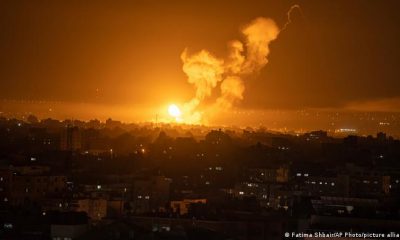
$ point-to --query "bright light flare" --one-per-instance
(174, 111)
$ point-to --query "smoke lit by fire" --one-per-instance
(207, 72)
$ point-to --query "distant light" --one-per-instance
(98, 187)
(8, 225)
(285, 207)
(349, 208)
(346, 130)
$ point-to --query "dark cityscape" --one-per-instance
(92, 180)
(193, 120)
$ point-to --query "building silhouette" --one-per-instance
(71, 139)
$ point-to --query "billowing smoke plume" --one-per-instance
(206, 72)
(235, 58)
(232, 89)
(259, 33)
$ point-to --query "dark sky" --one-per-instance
(128, 52)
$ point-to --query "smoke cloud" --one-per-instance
(259, 33)
(232, 89)
(206, 71)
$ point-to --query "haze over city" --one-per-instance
(221, 63)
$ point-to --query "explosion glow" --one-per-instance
(174, 111)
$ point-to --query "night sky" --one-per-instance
(335, 54)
